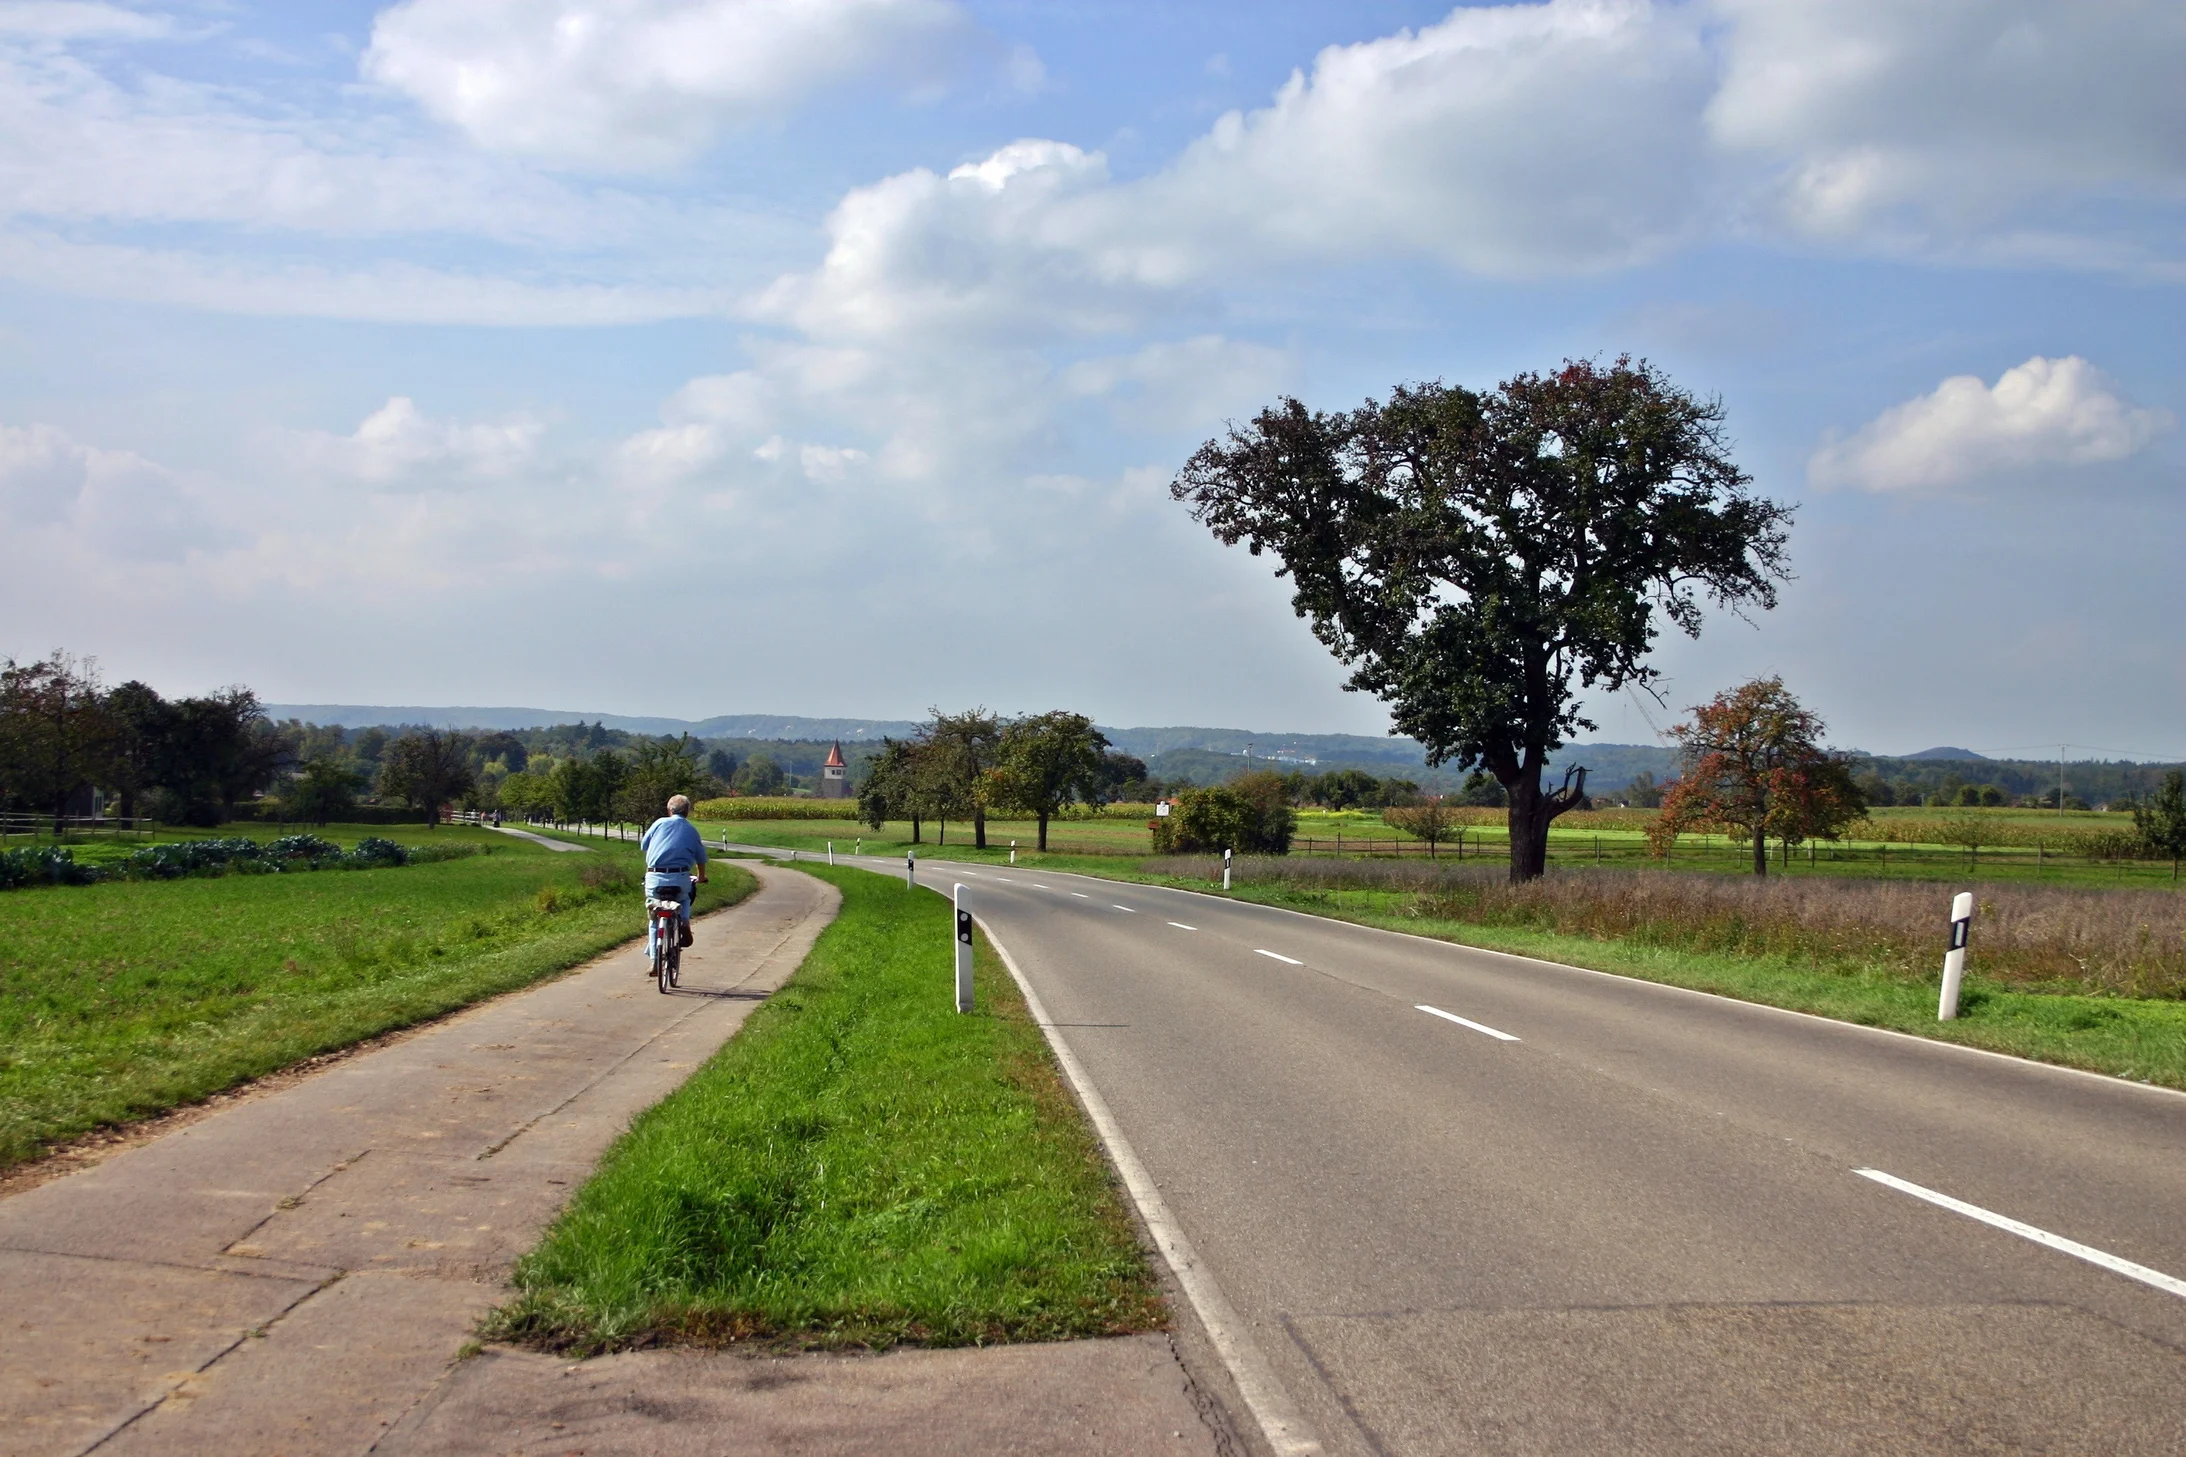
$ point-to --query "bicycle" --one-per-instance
(664, 913)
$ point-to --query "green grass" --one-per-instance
(2141, 1039)
(860, 1166)
(122, 1000)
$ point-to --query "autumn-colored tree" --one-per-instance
(1754, 762)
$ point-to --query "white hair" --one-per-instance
(679, 804)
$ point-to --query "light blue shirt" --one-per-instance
(673, 843)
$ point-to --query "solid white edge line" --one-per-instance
(1182, 927)
(2170, 1284)
(1464, 1022)
(1277, 955)
(1271, 1406)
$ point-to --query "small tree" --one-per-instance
(2161, 819)
(1046, 761)
(427, 768)
(659, 769)
(1754, 762)
(1433, 820)
(326, 790)
(960, 755)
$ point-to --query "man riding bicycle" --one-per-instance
(675, 857)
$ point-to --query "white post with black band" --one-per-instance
(1954, 959)
(1225, 870)
(910, 867)
(963, 952)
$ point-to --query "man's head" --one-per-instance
(680, 805)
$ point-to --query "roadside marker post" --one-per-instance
(963, 952)
(1954, 958)
(830, 852)
(1225, 870)
(1013, 852)
(910, 868)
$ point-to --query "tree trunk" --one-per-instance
(1530, 813)
(1043, 832)
(1760, 852)
(979, 827)
(914, 829)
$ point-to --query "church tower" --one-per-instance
(835, 775)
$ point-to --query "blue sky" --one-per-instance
(833, 357)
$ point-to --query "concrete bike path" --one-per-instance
(296, 1272)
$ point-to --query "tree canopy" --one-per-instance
(1754, 762)
(1047, 760)
(1481, 558)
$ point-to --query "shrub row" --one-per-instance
(43, 865)
(775, 807)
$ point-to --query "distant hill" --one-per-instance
(725, 726)
(1946, 752)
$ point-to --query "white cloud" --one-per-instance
(1948, 116)
(2043, 414)
(71, 20)
(52, 484)
(399, 448)
(646, 83)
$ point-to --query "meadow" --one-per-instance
(126, 998)
(859, 1166)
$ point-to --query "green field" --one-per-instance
(859, 1166)
(124, 999)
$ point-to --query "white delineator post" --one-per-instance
(963, 952)
(1013, 852)
(1225, 870)
(910, 867)
(1954, 959)
(831, 852)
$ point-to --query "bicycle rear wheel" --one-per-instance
(663, 949)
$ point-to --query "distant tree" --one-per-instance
(505, 747)
(659, 768)
(57, 732)
(1482, 558)
(1346, 788)
(962, 756)
(721, 764)
(1394, 792)
(1123, 776)
(1876, 790)
(1045, 761)
(2161, 819)
(369, 745)
(428, 768)
(1432, 820)
(889, 790)
(1643, 792)
(141, 721)
(325, 790)
(1481, 792)
(526, 793)
(759, 775)
(1754, 761)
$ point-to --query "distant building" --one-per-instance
(835, 775)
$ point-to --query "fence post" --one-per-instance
(963, 952)
(1225, 870)
(1954, 957)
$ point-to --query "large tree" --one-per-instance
(2161, 819)
(1754, 762)
(57, 733)
(1047, 760)
(960, 753)
(1481, 558)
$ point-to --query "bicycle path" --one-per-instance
(300, 1273)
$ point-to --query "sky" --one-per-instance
(833, 357)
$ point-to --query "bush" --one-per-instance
(1225, 818)
(372, 851)
(42, 865)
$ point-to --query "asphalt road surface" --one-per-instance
(1466, 1202)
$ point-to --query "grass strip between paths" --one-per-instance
(860, 1166)
(121, 1001)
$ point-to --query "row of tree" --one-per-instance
(963, 765)
(64, 735)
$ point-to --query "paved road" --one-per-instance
(1597, 1215)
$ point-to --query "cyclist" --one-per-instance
(675, 855)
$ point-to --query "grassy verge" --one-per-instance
(2138, 1038)
(860, 1166)
(122, 1000)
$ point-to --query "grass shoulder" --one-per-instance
(122, 1000)
(861, 1166)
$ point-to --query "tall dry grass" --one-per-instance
(2122, 943)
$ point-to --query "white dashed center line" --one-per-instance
(2170, 1284)
(1278, 956)
(1114, 907)
(1037, 886)
(1182, 927)
(1466, 1022)
(1081, 895)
